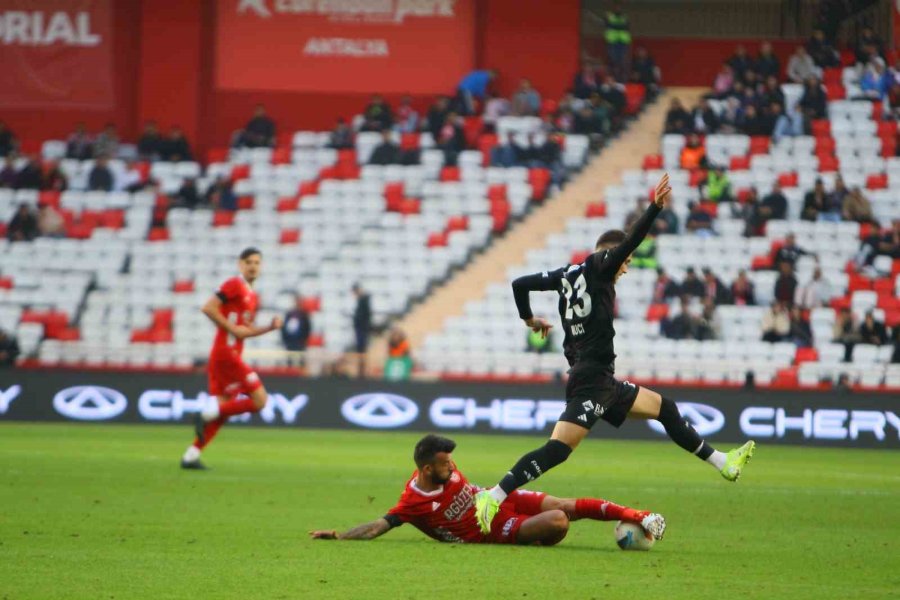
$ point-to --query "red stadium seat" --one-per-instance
(634, 97)
(289, 236)
(828, 164)
(460, 223)
(437, 240)
(832, 76)
(245, 203)
(497, 192)
(698, 176)
(762, 263)
(346, 156)
(887, 128)
(657, 312)
(740, 163)
(549, 106)
(217, 155)
(281, 156)
(158, 234)
(50, 198)
(312, 304)
(596, 209)
(806, 355)
(472, 127)
(330, 173)
(450, 174)
(183, 286)
(835, 91)
(821, 127)
(79, 231)
(239, 172)
(6, 282)
(223, 218)
(309, 188)
(759, 144)
(824, 145)
(288, 204)
(877, 182)
(540, 180)
(316, 340)
(579, 257)
(787, 180)
(112, 219)
(653, 161)
(410, 206)
(501, 221)
(486, 143)
(409, 141)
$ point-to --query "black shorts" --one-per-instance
(593, 393)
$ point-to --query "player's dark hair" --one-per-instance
(610, 239)
(248, 252)
(429, 446)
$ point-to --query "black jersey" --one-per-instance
(587, 297)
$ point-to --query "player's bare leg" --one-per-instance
(651, 405)
(547, 528)
(599, 509)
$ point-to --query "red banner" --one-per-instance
(344, 46)
(56, 54)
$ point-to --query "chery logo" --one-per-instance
(380, 410)
(706, 419)
(89, 403)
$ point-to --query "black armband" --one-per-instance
(393, 520)
(221, 296)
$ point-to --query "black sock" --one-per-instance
(682, 432)
(534, 464)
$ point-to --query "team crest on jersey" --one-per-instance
(454, 477)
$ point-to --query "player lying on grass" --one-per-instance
(235, 385)
(587, 297)
(438, 501)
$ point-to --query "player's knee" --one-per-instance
(259, 397)
(557, 527)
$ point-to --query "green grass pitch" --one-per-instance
(103, 512)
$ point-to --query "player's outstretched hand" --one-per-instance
(276, 323)
(539, 324)
(663, 190)
(323, 534)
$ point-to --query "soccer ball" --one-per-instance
(631, 536)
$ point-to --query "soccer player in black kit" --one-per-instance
(586, 301)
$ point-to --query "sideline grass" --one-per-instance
(100, 512)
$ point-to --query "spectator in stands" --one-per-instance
(815, 293)
(259, 132)
(101, 177)
(160, 213)
(876, 81)
(399, 363)
(714, 289)
(868, 45)
(80, 145)
(790, 252)
(30, 176)
(692, 286)
(895, 337)
(618, 41)
(786, 284)
(296, 327)
(776, 323)
(664, 288)
(50, 222)
(821, 50)
(879, 244)
(846, 332)
(813, 102)
(787, 124)
(362, 324)
(723, 84)
(872, 331)
(752, 123)
(23, 227)
(644, 256)
(685, 326)
(8, 141)
(9, 349)
(54, 179)
(717, 187)
(699, 221)
(9, 173)
(526, 101)
(378, 115)
(494, 108)
(815, 202)
(801, 332)
(767, 64)
(677, 119)
(667, 221)
(742, 291)
(613, 94)
(836, 200)
(731, 117)
(740, 62)
(188, 196)
(704, 118)
(474, 86)
(133, 179)
(150, 144)
(176, 148)
(749, 211)
(858, 208)
(537, 342)
(693, 155)
(645, 71)
(451, 139)
(710, 326)
(220, 195)
(771, 92)
(407, 118)
(802, 67)
(341, 136)
(545, 152)
(387, 152)
(586, 82)
(437, 116)
(774, 205)
(640, 205)
(593, 119)
(107, 142)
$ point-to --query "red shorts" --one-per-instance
(514, 511)
(229, 376)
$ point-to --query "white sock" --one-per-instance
(192, 454)
(717, 459)
(498, 494)
(210, 412)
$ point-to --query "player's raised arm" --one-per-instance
(366, 531)
(640, 229)
(536, 282)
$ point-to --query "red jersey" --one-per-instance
(447, 514)
(239, 304)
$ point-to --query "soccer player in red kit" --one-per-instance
(439, 502)
(235, 385)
